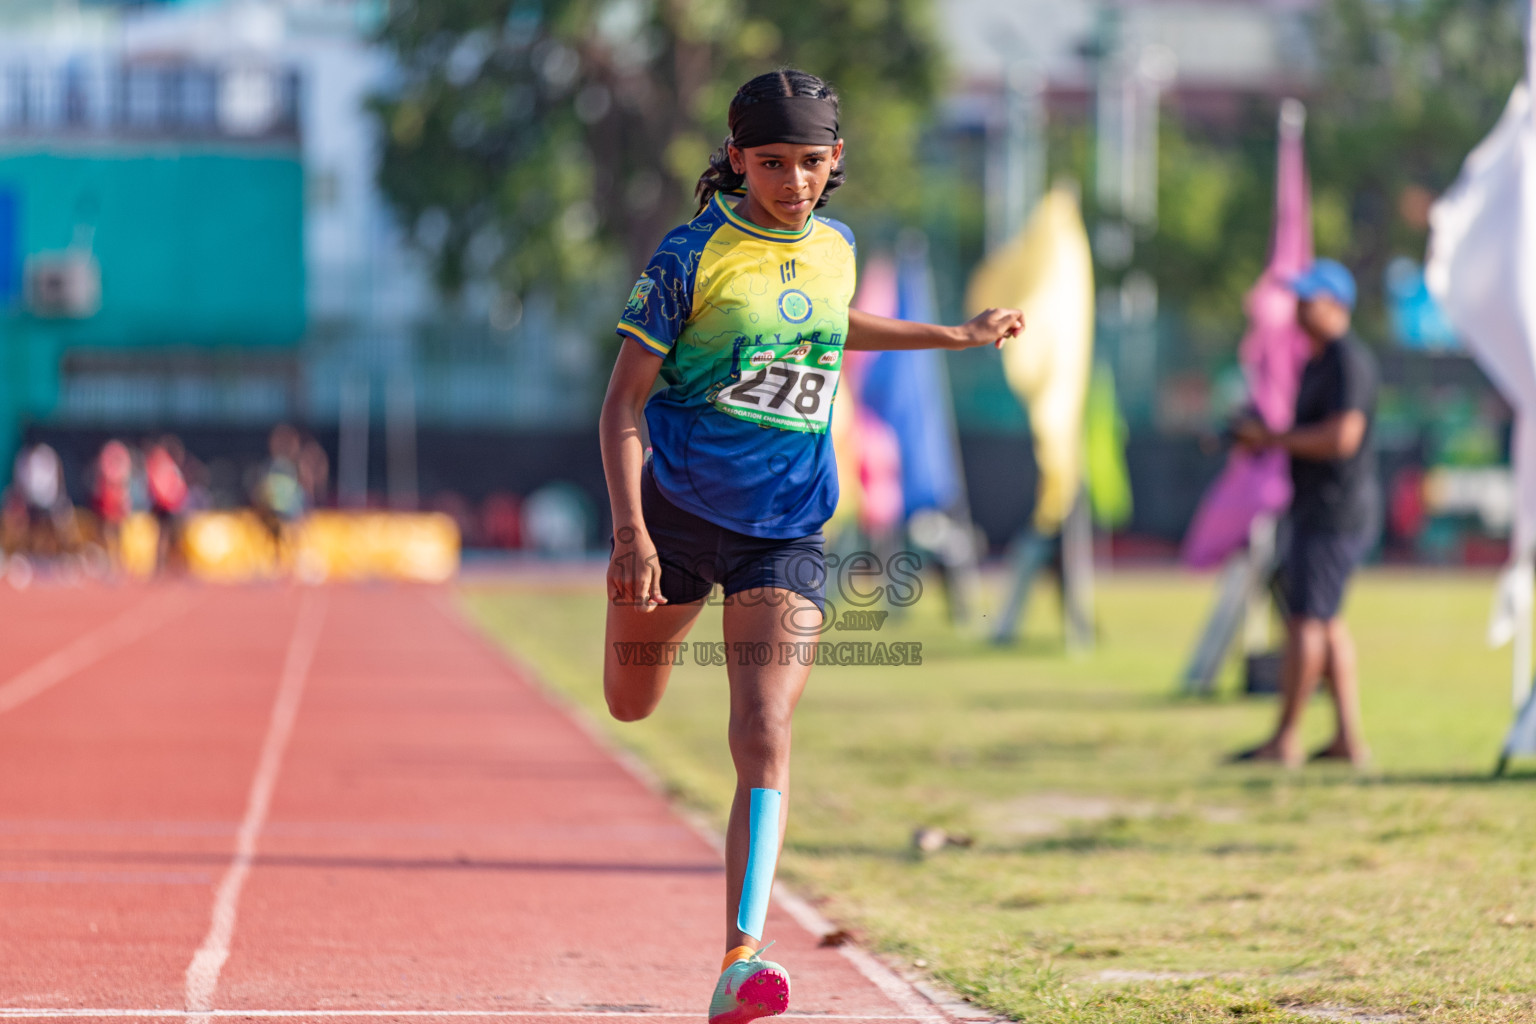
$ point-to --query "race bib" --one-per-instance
(788, 385)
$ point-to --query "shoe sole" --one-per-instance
(765, 994)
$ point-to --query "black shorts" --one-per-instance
(695, 554)
(1317, 569)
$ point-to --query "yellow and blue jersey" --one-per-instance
(750, 323)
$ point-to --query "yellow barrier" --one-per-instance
(137, 544)
(377, 545)
(229, 547)
(233, 547)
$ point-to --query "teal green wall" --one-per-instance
(201, 249)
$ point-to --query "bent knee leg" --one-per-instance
(641, 649)
(633, 692)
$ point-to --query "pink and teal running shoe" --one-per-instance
(748, 989)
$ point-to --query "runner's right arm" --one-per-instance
(634, 575)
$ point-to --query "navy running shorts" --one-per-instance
(1318, 568)
(695, 554)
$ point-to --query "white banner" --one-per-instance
(1482, 270)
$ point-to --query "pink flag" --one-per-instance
(874, 442)
(1272, 355)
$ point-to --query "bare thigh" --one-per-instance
(635, 665)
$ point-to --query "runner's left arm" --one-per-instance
(867, 332)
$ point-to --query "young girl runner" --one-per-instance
(744, 313)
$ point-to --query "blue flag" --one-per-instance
(908, 390)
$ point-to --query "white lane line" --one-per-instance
(88, 649)
(203, 971)
(898, 990)
(24, 1013)
(927, 1004)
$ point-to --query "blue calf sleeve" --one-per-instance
(762, 858)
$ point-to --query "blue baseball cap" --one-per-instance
(1326, 277)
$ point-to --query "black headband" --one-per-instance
(802, 120)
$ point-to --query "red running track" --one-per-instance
(339, 804)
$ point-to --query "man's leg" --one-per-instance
(1306, 652)
(1348, 739)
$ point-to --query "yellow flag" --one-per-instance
(845, 450)
(1047, 271)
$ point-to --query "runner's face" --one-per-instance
(784, 181)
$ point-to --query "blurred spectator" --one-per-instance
(280, 492)
(199, 478)
(501, 523)
(167, 485)
(39, 476)
(556, 520)
(111, 497)
(1405, 507)
(1334, 513)
(314, 474)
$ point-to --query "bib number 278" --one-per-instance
(785, 386)
(804, 385)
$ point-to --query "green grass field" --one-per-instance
(1118, 872)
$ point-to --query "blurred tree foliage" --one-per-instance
(548, 144)
(1404, 89)
(1408, 89)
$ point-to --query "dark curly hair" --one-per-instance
(785, 82)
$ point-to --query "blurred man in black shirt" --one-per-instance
(1335, 509)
